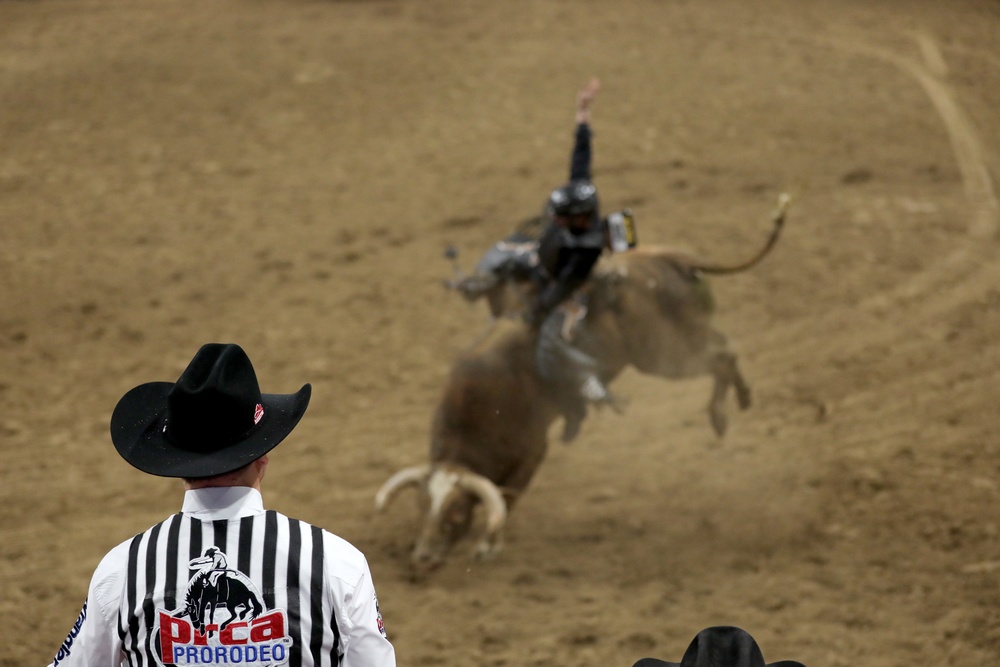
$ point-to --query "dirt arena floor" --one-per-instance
(286, 175)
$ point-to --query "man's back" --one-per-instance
(227, 582)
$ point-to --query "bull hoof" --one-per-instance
(719, 423)
(743, 397)
(488, 548)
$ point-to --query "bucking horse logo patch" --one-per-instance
(223, 621)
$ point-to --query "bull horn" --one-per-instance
(403, 478)
(489, 494)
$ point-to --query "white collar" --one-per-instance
(222, 502)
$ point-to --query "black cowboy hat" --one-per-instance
(720, 646)
(213, 420)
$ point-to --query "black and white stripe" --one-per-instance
(283, 558)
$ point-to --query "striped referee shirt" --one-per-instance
(226, 582)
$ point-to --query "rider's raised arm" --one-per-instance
(579, 169)
(583, 100)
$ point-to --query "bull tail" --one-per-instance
(778, 218)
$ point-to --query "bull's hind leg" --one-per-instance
(742, 388)
(717, 405)
(726, 372)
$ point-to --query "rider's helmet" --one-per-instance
(574, 198)
(574, 206)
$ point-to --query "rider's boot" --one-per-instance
(574, 407)
(594, 391)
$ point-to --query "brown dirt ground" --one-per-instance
(286, 174)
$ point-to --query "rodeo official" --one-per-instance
(224, 581)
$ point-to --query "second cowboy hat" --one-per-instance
(213, 420)
(720, 646)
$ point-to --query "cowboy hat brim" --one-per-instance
(655, 662)
(138, 427)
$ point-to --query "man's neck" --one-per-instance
(249, 475)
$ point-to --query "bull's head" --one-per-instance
(448, 495)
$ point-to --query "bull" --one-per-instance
(649, 308)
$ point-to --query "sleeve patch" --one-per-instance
(378, 617)
(67, 645)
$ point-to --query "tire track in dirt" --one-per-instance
(914, 317)
(931, 293)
